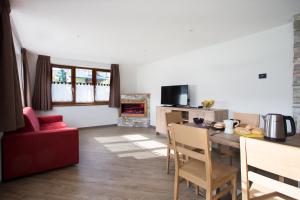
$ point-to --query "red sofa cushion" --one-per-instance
(44, 143)
(50, 119)
(52, 126)
(34, 152)
(31, 121)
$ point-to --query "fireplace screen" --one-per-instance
(133, 109)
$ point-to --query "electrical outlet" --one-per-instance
(262, 76)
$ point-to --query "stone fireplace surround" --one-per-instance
(134, 110)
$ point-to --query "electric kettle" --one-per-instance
(275, 126)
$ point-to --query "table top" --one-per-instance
(233, 140)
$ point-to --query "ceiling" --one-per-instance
(134, 32)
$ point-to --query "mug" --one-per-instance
(228, 126)
(236, 122)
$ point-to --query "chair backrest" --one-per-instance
(185, 138)
(172, 117)
(279, 159)
(245, 118)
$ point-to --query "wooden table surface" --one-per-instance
(233, 140)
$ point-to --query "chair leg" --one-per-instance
(197, 189)
(176, 187)
(168, 161)
(208, 194)
(234, 188)
(230, 160)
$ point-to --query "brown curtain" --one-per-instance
(11, 114)
(114, 96)
(42, 98)
(26, 80)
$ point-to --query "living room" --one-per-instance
(96, 96)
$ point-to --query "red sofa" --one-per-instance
(44, 143)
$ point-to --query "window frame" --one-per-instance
(73, 85)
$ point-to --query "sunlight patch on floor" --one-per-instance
(133, 145)
(135, 137)
(160, 152)
(151, 144)
(123, 138)
(112, 139)
(145, 154)
(120, 147)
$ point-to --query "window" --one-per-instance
(102, 85)
(84, 86)
(61, 85)
(79, 86)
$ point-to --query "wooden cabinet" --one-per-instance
(188, 114)
(160, 119)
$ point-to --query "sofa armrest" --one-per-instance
(50, 119)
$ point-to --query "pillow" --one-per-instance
(31, 121)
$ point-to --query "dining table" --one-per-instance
(233, 140)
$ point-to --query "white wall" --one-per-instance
(128, 79)
(85, 116)
(228, 72)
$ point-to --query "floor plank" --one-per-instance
(116, 163)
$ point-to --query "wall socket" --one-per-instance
(262, 76)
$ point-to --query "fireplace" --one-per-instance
(133, 108)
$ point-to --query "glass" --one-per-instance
(84, 86)
(61, 85)
(102, 86)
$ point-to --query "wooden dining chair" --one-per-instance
(246, 118)
(199, 169)
(171, 117)
(275, 158)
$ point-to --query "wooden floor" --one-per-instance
(115, 163)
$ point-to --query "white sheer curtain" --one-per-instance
(61, 92)
(102, 93)
(84, 93)
(102, 86)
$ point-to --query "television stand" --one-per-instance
(188, 113)
(177, 106)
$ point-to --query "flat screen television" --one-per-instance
(175, 95)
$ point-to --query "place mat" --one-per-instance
(251, 135)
